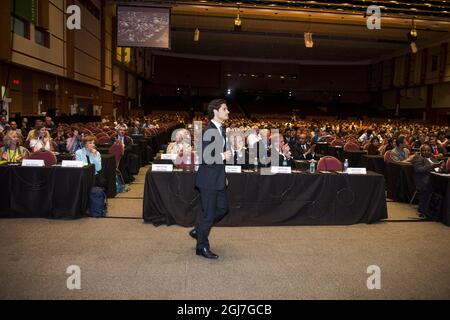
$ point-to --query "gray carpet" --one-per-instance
(128, 259)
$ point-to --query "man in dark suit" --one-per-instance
(122, 137)
(210, 179)
(423, 165)
(239, 154)
(280, 152)
(436, 149)
(301, 150)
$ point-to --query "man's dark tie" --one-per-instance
(235, 157)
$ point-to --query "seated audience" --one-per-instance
(239, 153)
(59, 137)
(436, 149)
(88, 154)
(121, 137)
(182, 143)
(11, 151)
(423, 164)
(400, 152)
(279, 149)
(74, 142)
(49, 124)
(301, 149)
(40, 140)
(373, 148)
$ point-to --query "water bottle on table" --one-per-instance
(312, 166)
(345, 165)
(255, 165)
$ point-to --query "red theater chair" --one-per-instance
(351, 147)
(329, 163)
(48, 157)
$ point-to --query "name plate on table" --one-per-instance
(356, 170)
(168, 156)
(162, 167)
(33, 163)
(276, 169)
(233, 169)
(72, 164)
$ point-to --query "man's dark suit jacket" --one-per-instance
(211, 176)
(126, 139)
(241, 159)
(297, 151)
(422, 169)
(439, 148)
(275, 153)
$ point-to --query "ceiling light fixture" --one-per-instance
(308, 36)
(237, 23)
(412, 37)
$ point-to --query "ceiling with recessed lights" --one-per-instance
(274, 30)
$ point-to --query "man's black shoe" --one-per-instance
(206, 253)
(193, 233)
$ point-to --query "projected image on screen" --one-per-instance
(143, 27)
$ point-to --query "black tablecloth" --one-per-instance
(354, 157)
(321, 147)
(45, 192)
(108, 171)
(336, 152)
(373, 163)
(400, 181)
(441, 185)
(258, 200)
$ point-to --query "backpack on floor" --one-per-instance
(97, 203)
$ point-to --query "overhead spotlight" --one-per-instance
(308, 40)
(237, 23)
(412, 37)
(196, 35)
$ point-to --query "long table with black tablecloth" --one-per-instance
(45, 192)
(270, 200)
(373, 163)
(108, 171)
(441, 185)
(400, 184)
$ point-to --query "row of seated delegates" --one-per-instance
(301, 148)
(89, 155)
(424, 163)
(39, 140)
(121, 137)
(3, 123)
(70, 142)
(12, 151)
(400, 151)
(181, 146)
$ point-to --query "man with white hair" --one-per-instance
(121, 137)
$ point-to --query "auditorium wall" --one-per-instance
(74, 64)
(214, 77)
(419, 82)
